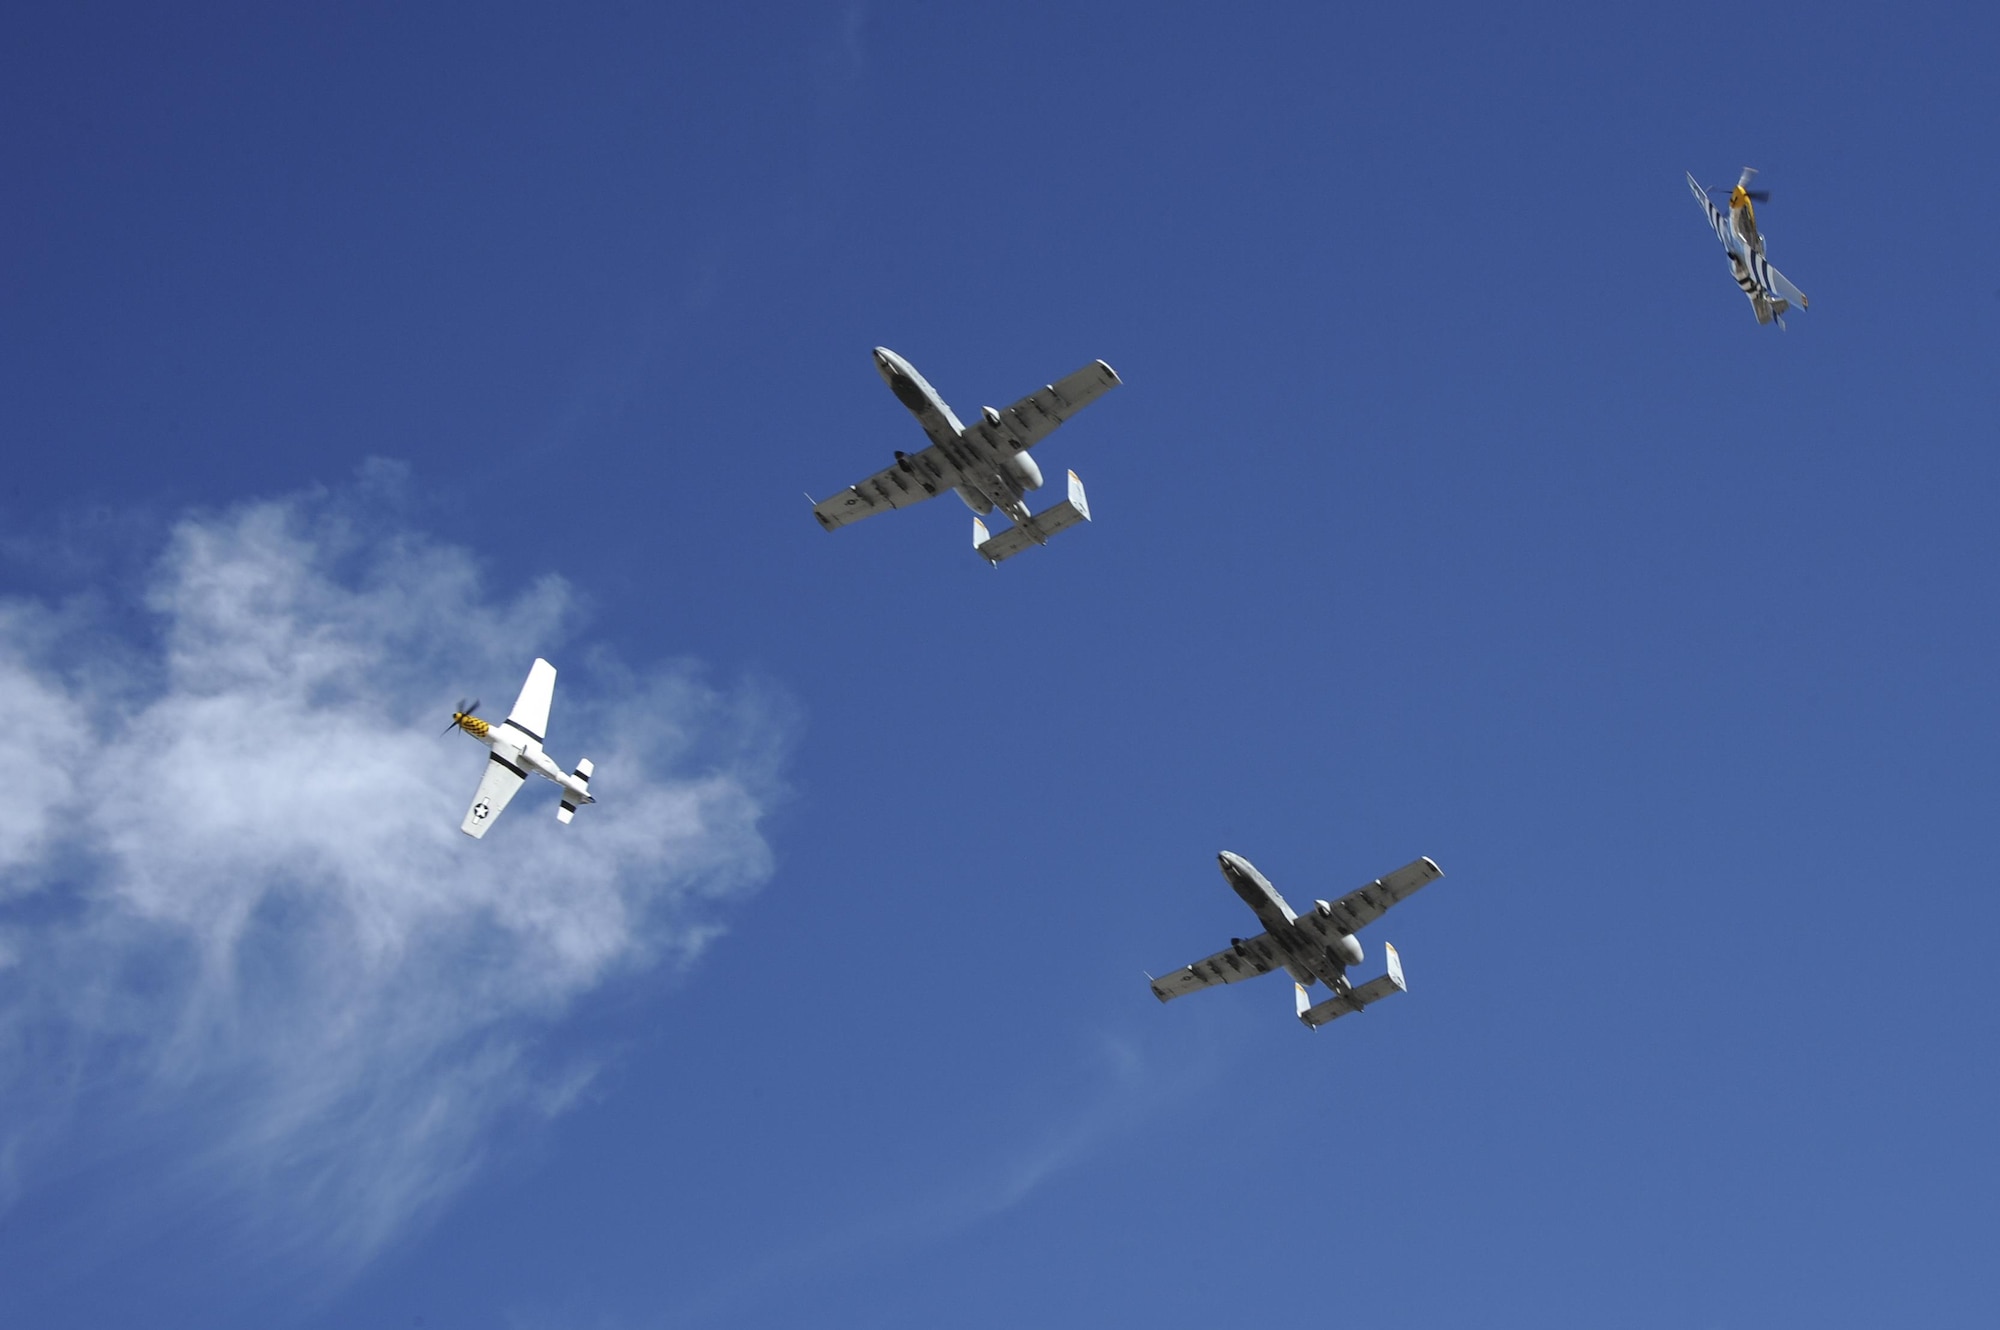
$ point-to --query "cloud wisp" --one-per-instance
(1092, 1100)
(243, 946)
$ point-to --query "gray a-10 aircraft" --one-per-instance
(1317, 945)
(986, 462)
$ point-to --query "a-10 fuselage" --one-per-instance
(1307, 957)
(989, 477)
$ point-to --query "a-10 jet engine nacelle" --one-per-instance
(1020, 473)
(1348, 948)
(1020, 466)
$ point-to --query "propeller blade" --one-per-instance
(460, 710)
(1759, 195)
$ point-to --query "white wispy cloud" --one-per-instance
(1093, 1095)
(242, 940)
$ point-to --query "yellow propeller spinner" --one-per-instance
(463, 719)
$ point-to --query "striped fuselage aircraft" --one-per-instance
(1770, 294)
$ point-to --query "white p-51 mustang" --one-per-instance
(1770, 294)
(1317, 945)
(517, 749)
(986, 462)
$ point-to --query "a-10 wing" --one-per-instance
(1245, 959)
(919, 476)
(1364, 905)
(914, 478)
(1035, 417)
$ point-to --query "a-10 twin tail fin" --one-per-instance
(1037, 529)
(1355, 999)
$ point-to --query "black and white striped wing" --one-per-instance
(1717, 222)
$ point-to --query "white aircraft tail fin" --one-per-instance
(1355, 999)
(567, 808)
(1037, 529)
(1077, 503)
(1790, 297)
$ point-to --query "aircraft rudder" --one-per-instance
(1077, 499)
(580, 774)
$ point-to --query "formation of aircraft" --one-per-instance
(1317, 946)
(989, 466)
(986, 463)
(1770, 294)
(516, 745)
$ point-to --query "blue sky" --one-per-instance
(1453, 505)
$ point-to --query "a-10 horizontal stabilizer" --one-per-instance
(1038, 528)
(1355, 999)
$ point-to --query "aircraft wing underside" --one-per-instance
(499, 785)
(1364, 905)
(1716, 221)
(914, 478)
(1035, 417)
(1245, 960)
(531, 709)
